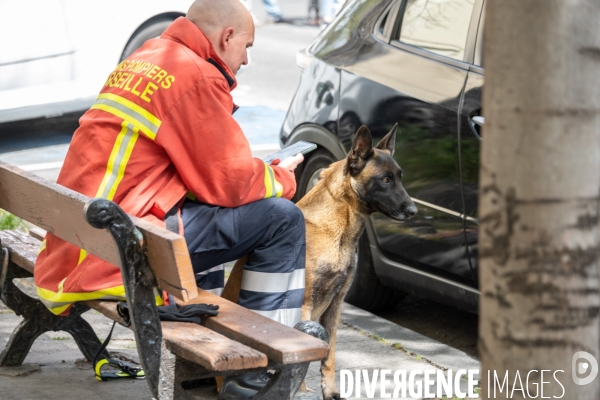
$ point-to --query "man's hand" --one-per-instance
(291, 163)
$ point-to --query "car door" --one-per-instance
(413, 71)
(472, 123)
(35, 47)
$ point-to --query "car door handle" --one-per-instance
(478, 119)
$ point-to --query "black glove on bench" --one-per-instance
(190, 313)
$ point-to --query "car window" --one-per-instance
(438, 26)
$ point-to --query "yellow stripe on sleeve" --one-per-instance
(268, 182)
(278, 187)
(272, 186)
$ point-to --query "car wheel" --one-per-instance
(311, 171)
(367, 291)
(152, 30)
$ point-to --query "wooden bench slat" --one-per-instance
(24, 195)
(198, 344)
(37, 233)
(280, 343)
(22, 248)
(219, 353)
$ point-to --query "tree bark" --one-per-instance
(539, 196)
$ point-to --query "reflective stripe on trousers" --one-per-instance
(271, 232)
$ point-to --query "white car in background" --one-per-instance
(55, 55)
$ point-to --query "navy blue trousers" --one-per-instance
(271, 232)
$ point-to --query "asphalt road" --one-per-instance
(265, 89)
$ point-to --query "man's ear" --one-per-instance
(225, 36)
(389, 141)
(362, 149)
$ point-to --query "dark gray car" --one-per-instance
(418, 63)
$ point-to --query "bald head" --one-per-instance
(228, 26)
(214, 15)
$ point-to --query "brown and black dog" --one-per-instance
(335, 211)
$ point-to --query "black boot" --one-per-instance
(243, 386)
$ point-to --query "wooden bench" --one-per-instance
(171, 353)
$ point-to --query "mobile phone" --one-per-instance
(298, 147)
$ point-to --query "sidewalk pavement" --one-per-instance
(55, 369)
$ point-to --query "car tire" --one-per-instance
(150, 31)
(367, 291)
(309, 174)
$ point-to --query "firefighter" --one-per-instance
(161, 142)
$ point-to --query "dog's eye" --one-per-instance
(386, 180)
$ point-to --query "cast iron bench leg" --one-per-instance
(284, 384)
(139, 283)
(38, 320)
(286, 381)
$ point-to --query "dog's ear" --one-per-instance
(362, 149)
(389, 141)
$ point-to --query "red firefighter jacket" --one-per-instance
(161, 128)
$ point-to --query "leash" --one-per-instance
(123, 370)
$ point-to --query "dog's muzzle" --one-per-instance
(407, 211)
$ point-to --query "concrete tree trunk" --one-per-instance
(539, 198)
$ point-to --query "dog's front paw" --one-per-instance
(331, 396)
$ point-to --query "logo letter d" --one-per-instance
(583, 367)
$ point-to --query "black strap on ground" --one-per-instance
(123, 370)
